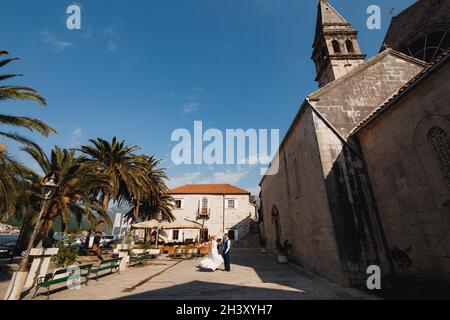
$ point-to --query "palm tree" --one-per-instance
(10, 92)
(10, 169)
(156, 200)
(10, 183)
(74, 194)
(127, 174)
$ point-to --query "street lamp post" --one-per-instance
(20, 276)
(159, 218)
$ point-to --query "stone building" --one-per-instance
(216, 209)
(364, 169)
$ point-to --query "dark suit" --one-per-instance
(226, 254)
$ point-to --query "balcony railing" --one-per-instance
(203, 213)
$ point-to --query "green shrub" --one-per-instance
(67, 254)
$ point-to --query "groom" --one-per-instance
(226, 252)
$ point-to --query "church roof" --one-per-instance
(209, 189)
(315, 96)
(443, 58)
(374, 60)
(328, 16)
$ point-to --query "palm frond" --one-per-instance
(27, 123)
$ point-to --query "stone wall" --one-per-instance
(408, 181)
(296, 198)
(352, 208)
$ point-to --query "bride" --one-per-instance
(214, 259)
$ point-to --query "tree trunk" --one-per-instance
(43, 233)
(25, 235)
(88, 239)
(99, 227)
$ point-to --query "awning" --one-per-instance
(153, 224)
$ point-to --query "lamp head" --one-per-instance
(49, 186)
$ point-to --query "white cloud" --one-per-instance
(76, 137)
(110, 32)
(267, 4)
(254, 190)
(228, 176)
(199, 90)
(256, 158)
(113, 39)
(55, 44)
(187, 178)
(112, 46)
(219, 177)
(190, 107)
(88, 34)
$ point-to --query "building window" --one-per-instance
(349, 45)
(440, 143)
(232, 234)
(297, 178)
(178, 204)
(231, 204)
(175, 234)
(336, 46)
(204, 208)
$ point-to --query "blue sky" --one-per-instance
(140, 69)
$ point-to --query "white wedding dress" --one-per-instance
(214, 260)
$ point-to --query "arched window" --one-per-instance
(429, 46)
(336, 46)
(440, 143)
(349, 45)
(276, 223)
(204, 206)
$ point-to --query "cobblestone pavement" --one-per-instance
(253, 276)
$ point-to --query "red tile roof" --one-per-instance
(208, 189)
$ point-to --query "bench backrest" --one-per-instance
(60, 272)
(66, 272)
(112, 261)
(86, 266)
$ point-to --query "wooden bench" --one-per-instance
(63, 275)
(139, 259)
(113, 265)
(154, 253)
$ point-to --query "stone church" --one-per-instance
(364, 169)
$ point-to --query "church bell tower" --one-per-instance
(336, 48)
